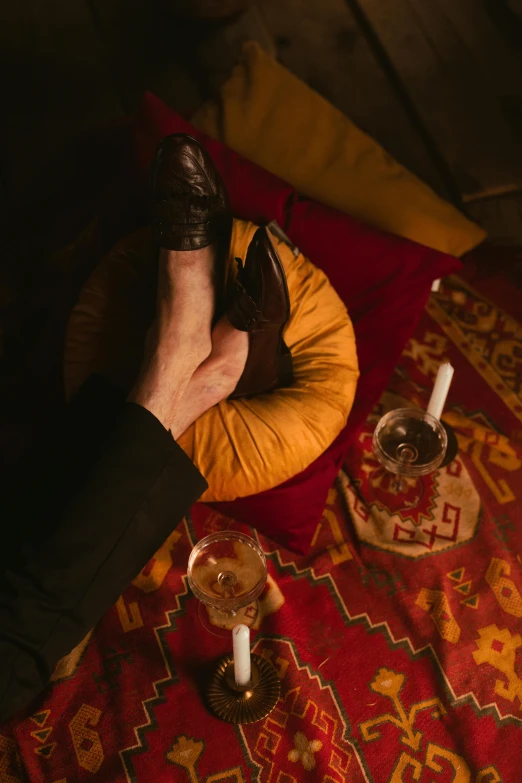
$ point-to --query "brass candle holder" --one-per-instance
(236, 704)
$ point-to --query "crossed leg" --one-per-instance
(188, 367)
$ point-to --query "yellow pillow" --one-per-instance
(274, 119)
(244, 446)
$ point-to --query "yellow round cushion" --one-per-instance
(243, 446)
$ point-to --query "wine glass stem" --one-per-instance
(399, 482)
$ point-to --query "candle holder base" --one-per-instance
(234, 704)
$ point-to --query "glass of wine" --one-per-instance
(227, 573)
(409, 443)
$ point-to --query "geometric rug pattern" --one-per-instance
(397, 639)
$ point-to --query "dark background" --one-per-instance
(437, 82)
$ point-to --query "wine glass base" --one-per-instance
(453, 446)
(383, 487)
(221, 624)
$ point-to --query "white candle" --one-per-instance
(440, 390)
(241, 645)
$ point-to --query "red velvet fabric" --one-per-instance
(384, 281)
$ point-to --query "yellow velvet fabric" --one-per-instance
(244, 446)
(274, 119)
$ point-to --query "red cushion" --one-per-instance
(384, 281)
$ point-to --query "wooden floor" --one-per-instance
(437, 82)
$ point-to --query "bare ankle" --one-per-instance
(181, 266)
(186, 297)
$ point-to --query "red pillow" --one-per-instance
(384, 281)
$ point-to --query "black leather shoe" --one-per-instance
(260, 306)
(190, 208)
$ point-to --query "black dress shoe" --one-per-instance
(261, 306)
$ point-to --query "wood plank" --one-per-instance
(220, 46)
(321, 42)
(179, 59)
(56, 86)
(465, 78)
(149, 49)
(500, 216)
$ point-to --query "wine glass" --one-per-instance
(227, 573)
(409, 443)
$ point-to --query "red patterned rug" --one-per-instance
(398, 639)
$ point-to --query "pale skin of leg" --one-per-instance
(188, 368)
